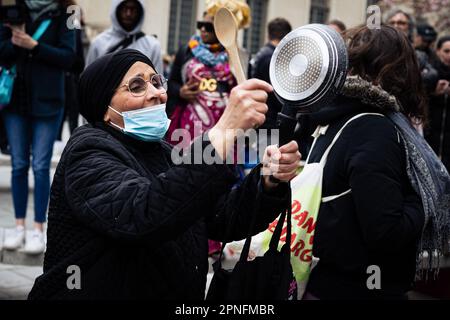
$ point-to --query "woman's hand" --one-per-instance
(441, 87)
(246, 109)
(283, 163)
(20, 38)
(189, 91)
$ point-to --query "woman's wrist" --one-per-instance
(222, 139)
(35, 48)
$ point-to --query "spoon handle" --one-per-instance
(235, 63)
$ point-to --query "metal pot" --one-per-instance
(309, 67)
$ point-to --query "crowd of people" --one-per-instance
(141, 226)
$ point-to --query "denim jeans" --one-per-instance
(33, 136)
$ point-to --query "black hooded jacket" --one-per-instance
(379, 222)
(137, 225)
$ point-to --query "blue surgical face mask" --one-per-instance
(147, 124)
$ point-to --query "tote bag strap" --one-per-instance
(278, 229)
(36, 36)
(320, 130)
(246, 249)
(230, 226)
(275, 237)
(41, 29)
(287, 213)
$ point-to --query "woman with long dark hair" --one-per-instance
(371, 218)
(33, 116)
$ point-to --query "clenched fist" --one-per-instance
(283, 163)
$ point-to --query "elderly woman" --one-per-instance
(134, 224)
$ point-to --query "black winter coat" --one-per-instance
(136, 224)
(379, 223)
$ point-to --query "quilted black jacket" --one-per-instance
(137, 225)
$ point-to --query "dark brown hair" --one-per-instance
(278, 28)
(441, 41)
(385, 57)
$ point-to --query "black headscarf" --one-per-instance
(100, 80)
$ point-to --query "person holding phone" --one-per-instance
(33, 116)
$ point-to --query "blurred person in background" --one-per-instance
(438, 134)
(424, 39)
(277, 29)
(34, 115)
(401, 21)
(127, 18)
(201, 80)
(405, 23)
(426, 56)
(167, 65)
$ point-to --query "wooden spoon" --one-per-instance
(226, 28)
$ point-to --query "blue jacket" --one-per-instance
(39, 86)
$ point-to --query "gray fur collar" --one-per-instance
(368, 93)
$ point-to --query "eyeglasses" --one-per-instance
(138, 86)
(209, 26)
(398, 23)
